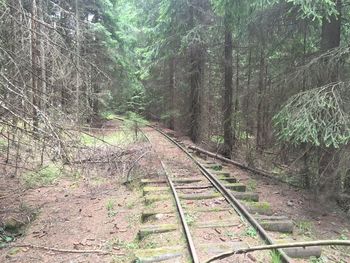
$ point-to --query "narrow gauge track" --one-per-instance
(237, 215)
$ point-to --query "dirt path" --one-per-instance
(78, 215)
(93, 210)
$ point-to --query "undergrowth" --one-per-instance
(46, 175)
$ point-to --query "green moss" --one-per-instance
(47, 175)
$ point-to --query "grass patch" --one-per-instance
(47, 175)
(344, 235)
(130, 204)
(108, 115)
(111, 208)
(305, 227)
(190, 219)
(218, 139)
(275, 257)
(3, 144)
(116, 138)
(251, 185)
(250, 232)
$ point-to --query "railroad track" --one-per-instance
(197, 210)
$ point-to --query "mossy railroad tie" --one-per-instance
(247, 196)
(213, 166)
(216, 224)
(151, 198)
(155, 189)
(238, 187)
(156, 229)
(262, 208)
(300, 252)
(283, 226)
(199, 196)
(152, 212)
(227, 179)
(158, 254)
(175, 180)
(221, 173)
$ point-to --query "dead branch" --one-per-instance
(133, 165)
(278, 246)
(98, 160)
(100, 252)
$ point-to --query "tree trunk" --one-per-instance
(330, 35)
(228, 93)
(42, 60)
(77, 51)
(172, 87)
(259, 119)
(196, 82)
(35, 60)
(329, 182)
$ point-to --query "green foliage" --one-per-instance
(5, 238)
(133, 123)
(250, 232)
(344, 235)
(316, 9)
(46, 175)
(275, 257)
(318, 260)
(305, 227)
(190, 219)
(218, 139)
(111, 208)
(108, 115)
(169, 114)
(316, 117)
(251, 185)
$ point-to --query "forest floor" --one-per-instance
(96, 211)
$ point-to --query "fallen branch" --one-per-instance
(278, 246)
(100, 158)
(240, 165)
(101, 252)
(133, 165)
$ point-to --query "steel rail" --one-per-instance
(188, 235)
(237, 206)
(184, 224)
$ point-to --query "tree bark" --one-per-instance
(330, 35)
(228, 92)
(77, 51)
(172, 87)
(259, 119)
(35, 60)
(196, 82)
